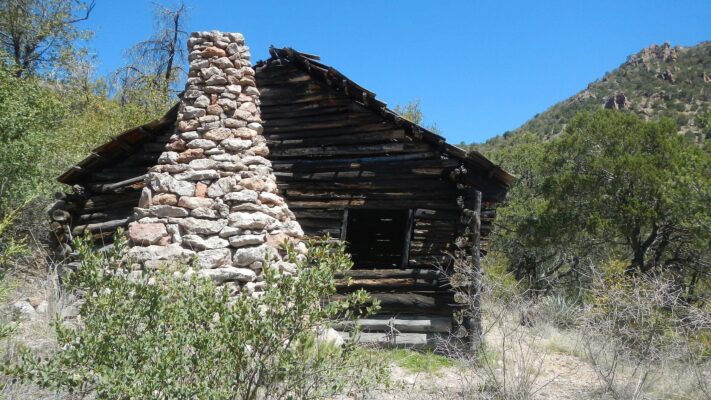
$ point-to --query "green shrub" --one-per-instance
(559, 310)
(169, 334)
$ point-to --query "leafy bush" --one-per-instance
(169, 334)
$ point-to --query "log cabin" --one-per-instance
(414, 211)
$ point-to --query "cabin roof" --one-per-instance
(119, 147)
(311, 64)
(127, 142)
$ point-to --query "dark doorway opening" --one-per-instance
(377, 238)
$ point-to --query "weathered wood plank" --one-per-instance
(431, 274)
(374, 204)
(358, 162)
(361, 138)
(399, 323)
(352, 150)
(333, 131)
(403, 340)
(100, 227)
(437, 304)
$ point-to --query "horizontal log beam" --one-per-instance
(437, 304)
(100, 227)
(361, 138)
(373, 204)
(111, 187)
(403, 340)
(398, 323)
(332, 151)
(431, 274)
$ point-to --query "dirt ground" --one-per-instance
(560, 376)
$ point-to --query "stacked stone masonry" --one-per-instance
(212, 197)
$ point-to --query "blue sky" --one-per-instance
(479, 68)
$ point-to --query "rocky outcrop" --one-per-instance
(617, 102)
(667, 76)
(664, 52)
(213, 197)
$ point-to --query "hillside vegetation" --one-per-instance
(609, 218)
(659, 81)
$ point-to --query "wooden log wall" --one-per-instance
(104, 199)
(331, 154)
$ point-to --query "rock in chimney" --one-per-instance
(213, 196)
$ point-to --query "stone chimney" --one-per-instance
(212, 196)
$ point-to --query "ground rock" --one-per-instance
(190, 155)
(214, 258)
(202, 212)
(202, 163)
(229, 231)
(197, 242)
(25, 309)
(192, 112)
(201, 102)
(198, 175)
(246, 220)
(246, 240)
(146, 234)
(228, 274)
(219, 134)
(234, 123)
(201, 144)
(168, 199)
(195, 202)
(236, 144)
(165, 183)
(243, 196)
(247, 255)
(221, 186)
(201, 226)
(165, 211)
(155, 252)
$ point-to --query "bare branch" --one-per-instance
(89, 9)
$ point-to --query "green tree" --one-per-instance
(30, 115)
(611, 186)
(412, 112)
(41, 34)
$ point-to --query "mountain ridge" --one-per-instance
(658, 81)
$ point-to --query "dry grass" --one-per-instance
(38, 282)
(543, 361)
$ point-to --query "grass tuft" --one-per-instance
(416, 361)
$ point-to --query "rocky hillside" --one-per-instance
(660, 80)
